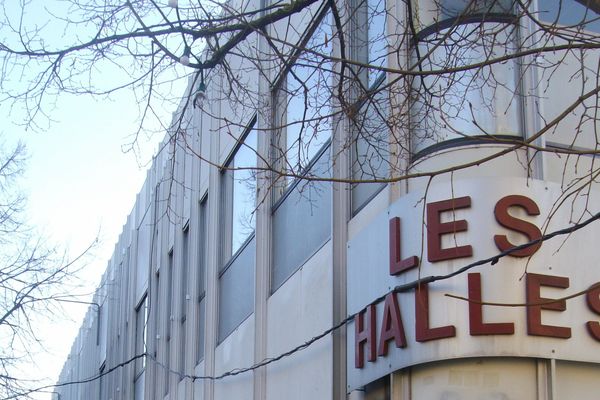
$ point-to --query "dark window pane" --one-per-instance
(301, 223)
(568, 13)
(236, 290)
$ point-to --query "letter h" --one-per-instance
(365, 335)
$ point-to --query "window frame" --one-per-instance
(451, 22)
(169, 319)
(574, 6)
(99, 324)
(185, 264)
(305, 170)
(371, 81)
(201, 278)
(227, 199)
(221, 274)
(101, 380)
(281, 186)
(378, 84)
(141, 338)
(226, 211)
(273, 284)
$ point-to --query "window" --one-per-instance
(156, 295)
(201, 303)
(103, 313)
(236, 290)
(370, 128)
(514, 378)
(565, 75)
(377, 37)
(141, 328)
(371, 39)
(301, 223)
(371, 148)
(569, 13)
(303, 105)
(125, 290)
(184, 298)
(239, 194)
(236, 276)
(470, 103)
(379, 389)
(302, 212)
(99, 325)
(119, 299)
(101, 381)
(169, 319)
(139, 387)
(141, 333)
(427, 13)
(144, 239)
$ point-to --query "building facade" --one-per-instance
(376, 227)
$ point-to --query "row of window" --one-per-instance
(449, 107)
(479, 102)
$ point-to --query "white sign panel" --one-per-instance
(440, 233)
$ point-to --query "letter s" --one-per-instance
(515, 224)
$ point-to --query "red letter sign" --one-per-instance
(392, 327)
(476, 324)
(518, 225)
(435, 230)
(423, 332)
(364, 335)
(534, 312)
(593, 302)
(397, 265)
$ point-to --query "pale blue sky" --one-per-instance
(79, 182)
